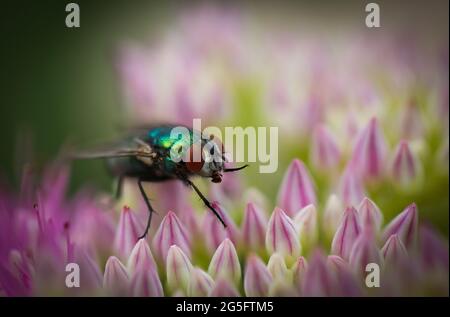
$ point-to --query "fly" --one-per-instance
(155, 154)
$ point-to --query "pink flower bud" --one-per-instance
(346, 234)
(141, 258)
(347, 283)
(214, 232)
(171, 232)
(324, 150)
(364, 251)
(298, 270)
(318, 280)
(433, 249)
(332, 215)
(224, 288)
(128, 231)
(115, 279)
(337, 263)
(178, 269)
(225, 262)
(281, 235)
(278, 269)
(146, 283)
(370, 215)
(201, 283)
(393, 251)
(405, 166)
(351, 187)
(306, 224)
(257, 279)
(254, 227)
(297, 189)
(370, 151)
(404, 225)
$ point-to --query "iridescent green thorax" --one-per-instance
(164, 138)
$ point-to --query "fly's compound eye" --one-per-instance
(193, 160)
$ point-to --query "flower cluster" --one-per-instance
(364, 147)
(266, 255)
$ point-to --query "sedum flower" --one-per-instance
(115, 280)
(370, 214)
(394, 251)
(325, 152)
(257, 278)
(406, 169)
(127, 233)
(306, 224)
(370, 151)
(364, 251)
(297, 189)
(145, 283)
(282, 236)
(200, 284)
(367, 147)
(171, 232)
(404, 225)
(179, 270)
(225, 262)
(254, 227)
(346, 234)
(224, 288)
(141, 257)
(332, 214)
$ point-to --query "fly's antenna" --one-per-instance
(227, 170)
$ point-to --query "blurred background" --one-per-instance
(62, 85)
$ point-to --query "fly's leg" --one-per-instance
(149, 207)
(205, 201)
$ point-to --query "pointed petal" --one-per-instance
(281, 235)
(364, 251)
(325, 153)
(370, 215)
(278, 269)
(224, 288)
(337, 263)
(404, 225)
(347, 283)
(334, 210)
(346, 234)
(146, 283)
(405, 166)
(215, 233)
(297, 189)
(178, 269)
(318, 280)
(254, 227)
(90, 274)
(394, 251)
(171, 232)
(257, 279)
(306, 224)
(201, 283)
(128, 231)
(433, 249)
(115, 279)
(141, 257)
(225, 262)
(298, 271)
(370, 151)
(351, 187)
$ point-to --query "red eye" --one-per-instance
(192, 162)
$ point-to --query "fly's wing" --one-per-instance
(135, 147)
